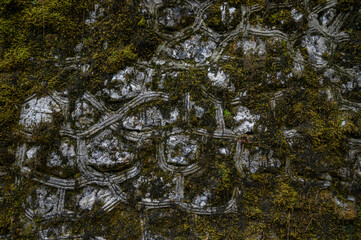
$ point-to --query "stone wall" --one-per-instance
(237, 120)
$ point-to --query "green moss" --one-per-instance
(280, 208)
(142, 22)
(11, 221)
(346, 5)
(281, 18)
(121, 223)
(119, 58)
(227, 113)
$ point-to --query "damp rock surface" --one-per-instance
(159, 119)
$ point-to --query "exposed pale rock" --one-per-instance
(254, 161)
(181, 150)
(31, 153)
(45, 202)
(253, 46)
(198, 111)
(68, 151)
(37, 111)
(351, 198)
(201, 200)
(224, 151)
(227, 13)
(174, 115)
(95, 14)
(296, 15)
(91, 195)
(99, 238)
(63, 230)
(125, 84)
(54, 160)
(107, 151)
(193, 49)
(245, 120)
(218, 78)
(326, 176)
(332, 75)
(316, 46)
(84, 114)
(348, 209)
(177, 160)
(150, 117)
(88, 199)
(176, 17)
(328, 17)
(290, 135)
(339, 202)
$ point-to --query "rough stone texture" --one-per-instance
(147, 142)
(37, 111)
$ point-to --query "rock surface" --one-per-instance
(241, 113)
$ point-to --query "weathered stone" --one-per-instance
(174, 18)
(108, 152)
(37, 111)
(179, 130)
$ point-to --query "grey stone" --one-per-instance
(181, 150)
(174, 18)
(245, 120)
(316, 46)
(218, 78)
(193, 49)
(126, 84)
(84, 114)
(201, 200)
(37, 111)
(107, 151)
(253, 46)
(328, 17)
(296, 15)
